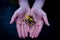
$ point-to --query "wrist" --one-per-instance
(39, 3)
(23, 3)
(25, 7)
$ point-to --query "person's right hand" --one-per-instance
(18, 17)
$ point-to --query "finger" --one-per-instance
(36, 27)
(46, 20)
(25, 30)
(13, 18)
(18, 26)
(22, 30)
(38, 31)
(39, 28)
(44, 16)
(31, 31)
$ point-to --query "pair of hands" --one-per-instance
(22, 28)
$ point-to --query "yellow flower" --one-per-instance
(30, 19)
(27, 17)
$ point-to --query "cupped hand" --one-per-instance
(18, 17)
(40, 17)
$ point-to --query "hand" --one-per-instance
(39, 17)
(18, 17)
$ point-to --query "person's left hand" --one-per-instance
(39, 17)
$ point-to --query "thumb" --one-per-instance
(13, 18)
(46, 20)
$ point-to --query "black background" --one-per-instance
(8, 32)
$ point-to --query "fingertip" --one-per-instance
(10, 22)
(48, 24)
(36, 36)
(31, 36)
(24, 37)
(19, 36)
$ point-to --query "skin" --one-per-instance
(38, 14)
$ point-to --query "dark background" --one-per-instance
(8, 32)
